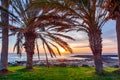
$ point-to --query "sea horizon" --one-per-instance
(13, 57)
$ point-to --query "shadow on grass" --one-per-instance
(3, 73)
(116, 72)
(10, 72)
(25, 70)
(106, 75)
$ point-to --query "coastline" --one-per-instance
(87, 61)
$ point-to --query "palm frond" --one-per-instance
(18, 45)
(38, 52)
(48, 47)
(56, 48)
(59, 41)
(45, 53)
(64, 36)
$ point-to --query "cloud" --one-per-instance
(85, 46)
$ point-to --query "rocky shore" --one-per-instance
(87, 62)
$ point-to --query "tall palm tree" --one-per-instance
(91, 18)
(5, 21)
(113, 6)
(33, 24)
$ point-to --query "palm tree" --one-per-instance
(91, 18)
(4, 52)
(113, 6)
(33, 24)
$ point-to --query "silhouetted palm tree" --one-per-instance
(5, 22)
(33, 24)
(93, 17)
(113, 6)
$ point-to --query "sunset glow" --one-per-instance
(81, 44)
(62, 50)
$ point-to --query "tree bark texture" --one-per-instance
(96, 47)
(5, 39)
(29, 48)
(118, 36)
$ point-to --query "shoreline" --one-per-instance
(86, 62)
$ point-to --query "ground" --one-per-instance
(59, 73)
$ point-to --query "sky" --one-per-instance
(81, 45)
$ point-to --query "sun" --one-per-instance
(62, 50)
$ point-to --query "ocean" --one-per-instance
(12, 57)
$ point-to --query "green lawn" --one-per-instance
(59, 73)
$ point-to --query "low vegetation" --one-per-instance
(59, 73)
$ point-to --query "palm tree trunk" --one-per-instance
(96, 47)
(4, 51)
(29, 47)
(118, 36)
(29, 61)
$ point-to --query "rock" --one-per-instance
(62, 65)
(18, 62)
(73, 65)
(115, 66)
(13, 64)
(85, 65)
(55, 64)
(42, 64)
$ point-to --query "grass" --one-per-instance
(59, 73)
